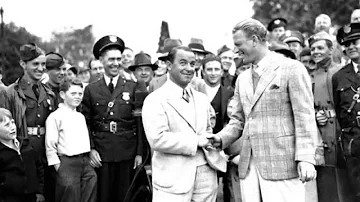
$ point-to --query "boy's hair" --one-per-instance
(4, 113)
(65, 85)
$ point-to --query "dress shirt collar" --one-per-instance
(176, 90)
(107, 79)
(260, 67)
(16, 144)
(356, 69)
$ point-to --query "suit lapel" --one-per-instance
(29, 92)
(42, 94)
(264, 81)
(351, 75)
(182, 108)
(224, 100)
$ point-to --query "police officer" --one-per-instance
(332, 180)
(30, 103)
(55, 66)
(346, 89)
(276, 28)
(108, 106)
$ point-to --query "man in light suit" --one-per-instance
(274, 114)
(177, 123)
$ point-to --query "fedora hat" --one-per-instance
(142, 59)
(196, 45)
(169, 44)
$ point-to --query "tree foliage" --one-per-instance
(301, 14)
(13, 38)
(74, 45)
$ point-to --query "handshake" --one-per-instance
(209, 141)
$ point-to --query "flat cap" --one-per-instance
(30, 51)
(275, 23)
(106, 42)
(348, 33)
(319, 36)
(54, 61)
(292, 36)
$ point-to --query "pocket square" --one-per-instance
(273, 87)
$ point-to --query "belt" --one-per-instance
(36, 131)
(86, 154)
(115, 126)
(330, 113)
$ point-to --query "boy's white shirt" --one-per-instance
(66, 134)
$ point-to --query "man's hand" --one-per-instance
(215, 140)
(57, 166)
(138, 161)
(321, 118)
(203, 141)
(306, 171)
(40, 198)
(95, 160)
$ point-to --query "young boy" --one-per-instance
(67, 147)
(21, 172)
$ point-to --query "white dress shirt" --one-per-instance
(114, 81)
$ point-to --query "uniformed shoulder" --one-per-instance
(343, 70)
(48, 89)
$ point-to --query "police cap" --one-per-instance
(292, 36)
(348, 33)
(106, 42)
(319, 36)
(275, 23)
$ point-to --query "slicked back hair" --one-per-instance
(252, 27)
(172, 54)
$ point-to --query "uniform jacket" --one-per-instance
(172, 130)
(277, 122)
(323, 97)
(20, 174)
(197, 83)
(128, 141)
(19, 97)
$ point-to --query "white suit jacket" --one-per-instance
(172, 130)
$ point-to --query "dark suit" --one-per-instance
(219, 103)
(117, 149)
(345, 84)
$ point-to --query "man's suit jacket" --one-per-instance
(197, 83)
(277, 122)
(172, 131)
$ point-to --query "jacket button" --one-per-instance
(111, 113)
(38, 115)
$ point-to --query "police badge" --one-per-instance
(347, 29)
(126, 96)
(112, 38)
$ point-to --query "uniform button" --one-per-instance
(127, 102)
(328, 101)
(250, 119)
(111, 113)
(331, 121)
(39, 105)
(38, 115)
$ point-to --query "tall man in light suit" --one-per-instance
(177, 123)
(274, 112)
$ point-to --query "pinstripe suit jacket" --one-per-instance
(277, 121)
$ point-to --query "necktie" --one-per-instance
(255, 77)
(186, 96)
(35, 89)
(111, 86)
